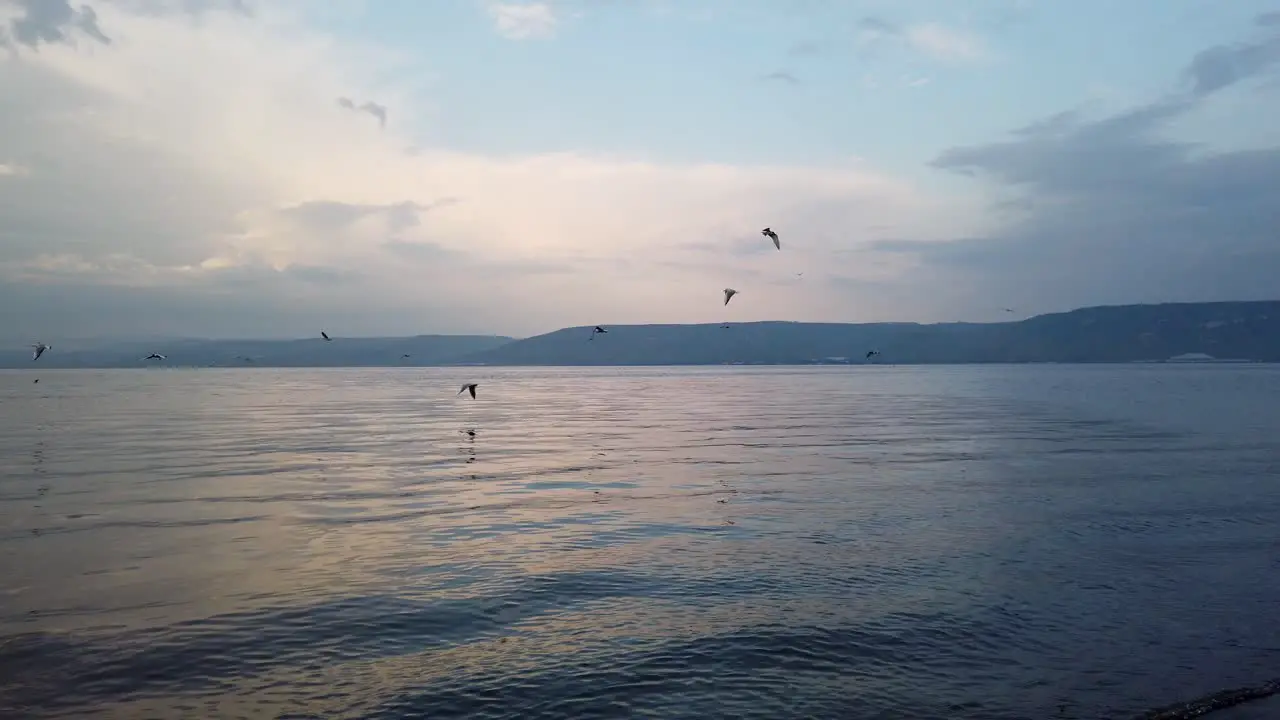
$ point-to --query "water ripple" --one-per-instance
(1028, 542)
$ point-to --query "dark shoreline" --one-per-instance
(1220, 700)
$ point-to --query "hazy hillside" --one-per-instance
(1229, 330)
(1244, 330)
(311, 352)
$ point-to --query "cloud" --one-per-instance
(873, 25)
(804, 49)
(781, 76)
(189, 8)
(932, 39)
(193, 177)
(372, 108)
(1010, 14)
(1218, 67)
(327, 214)
(53, 21)
(13, 170)
(944, 43)
(1113, 210)
(522, 20)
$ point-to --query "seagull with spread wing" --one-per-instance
(772, 236)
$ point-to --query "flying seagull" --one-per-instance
(404, 356)
(471, 387)
(872, 353)
(154, 356)
(728, 295)
(772, 236)
(597, 329)
(39, 350)
(325, 335)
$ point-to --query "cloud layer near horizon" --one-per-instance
(210, 168)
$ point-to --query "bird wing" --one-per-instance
(473, 391)
(776, 242)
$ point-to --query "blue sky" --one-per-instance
(684, 83)
(612, 161)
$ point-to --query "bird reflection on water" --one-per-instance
(470, 449)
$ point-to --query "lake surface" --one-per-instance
(866, 542)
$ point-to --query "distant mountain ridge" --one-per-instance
(1123, 333)
(1118, 333)
(310, 352)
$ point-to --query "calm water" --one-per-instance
(876, 542)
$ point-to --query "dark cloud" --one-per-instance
(1112, 210)
(53, 21)
(804, 49)
(781, 76)
(874, 34)
(1010, 14)
(878, 25)
(1224, 65)
(376, 110)
(372, 108)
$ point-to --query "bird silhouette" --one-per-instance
(772, 236)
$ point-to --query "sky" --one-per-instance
(268, 168)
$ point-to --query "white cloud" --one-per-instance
(935, 40)
(518, 21)
(945, 43)
(13, 169)
(206, 157)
